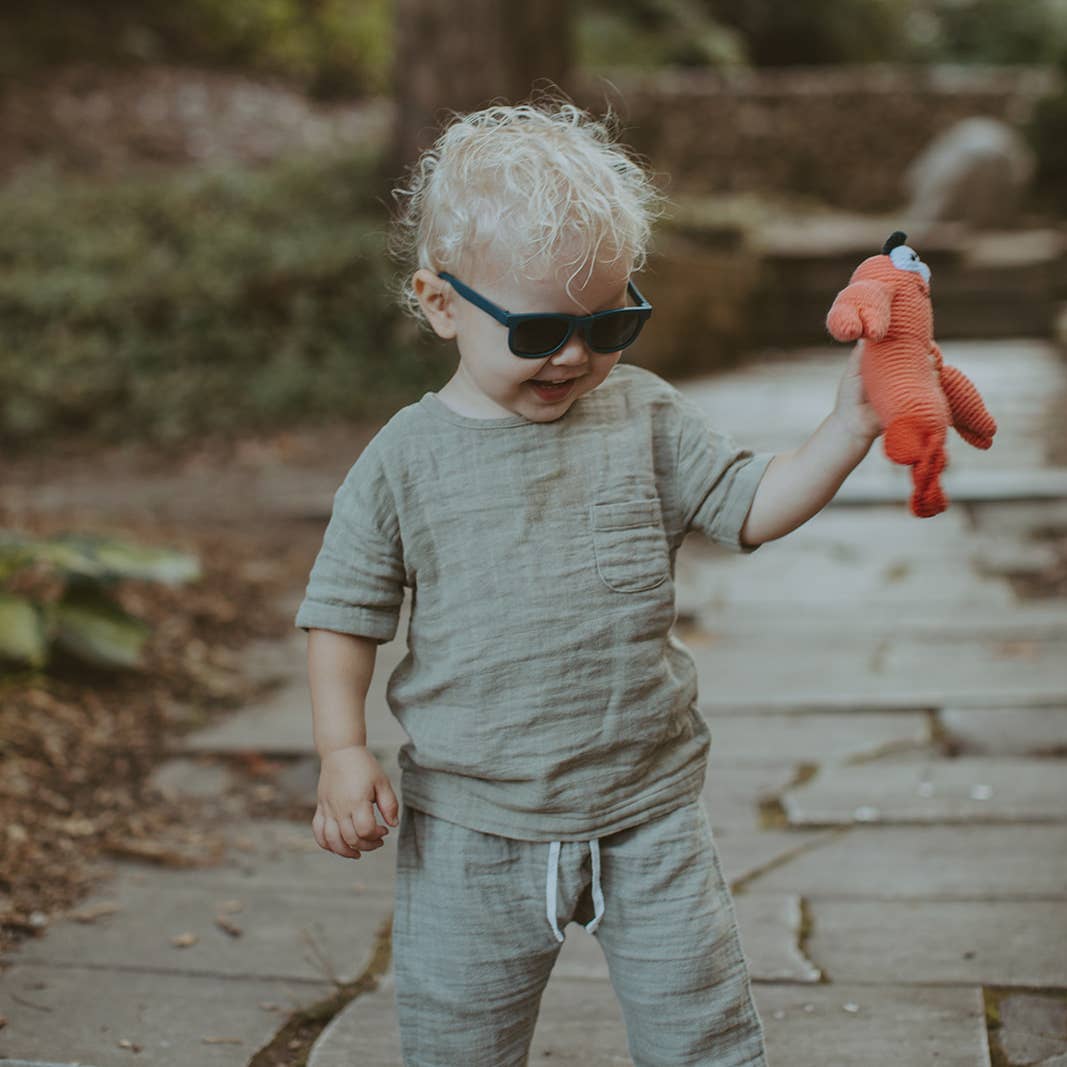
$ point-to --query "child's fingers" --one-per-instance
(388, 805)
(360, 837)
(335, 842)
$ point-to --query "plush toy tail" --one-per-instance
(911, 440)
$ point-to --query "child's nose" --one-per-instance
(573, 352)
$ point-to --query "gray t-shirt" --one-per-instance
(543, 693)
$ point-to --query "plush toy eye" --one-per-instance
(905, 258)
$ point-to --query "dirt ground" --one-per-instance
(77, 745)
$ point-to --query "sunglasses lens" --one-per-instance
(533, 337)
(613, 332)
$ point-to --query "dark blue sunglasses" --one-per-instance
(541, 334)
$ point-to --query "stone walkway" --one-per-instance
(886, 787)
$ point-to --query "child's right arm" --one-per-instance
(340, 667)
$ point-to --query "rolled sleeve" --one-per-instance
(716, 479)
(356, 584)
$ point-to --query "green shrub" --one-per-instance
(331, 47)
(65, 604)
(205, 302)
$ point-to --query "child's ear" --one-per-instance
(437, 302)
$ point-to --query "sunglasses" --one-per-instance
(536, 335)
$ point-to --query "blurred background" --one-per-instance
(195, 195)
(198, 336)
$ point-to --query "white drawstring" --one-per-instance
(550, 887)
(598, 893)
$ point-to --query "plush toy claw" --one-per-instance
(915, 394)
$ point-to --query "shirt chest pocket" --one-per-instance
(630, 544)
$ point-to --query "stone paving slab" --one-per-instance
(977, 789)
(770, 925)
(580, 1024)
(844, 558)
(1010, 943)
(1023, 620)
(80, 1013)
(788, 669)
(745, 854)
(1033, 1027)
(1007, 731)
(738, 740)
(285, 933)
(961, 486)
(998, 523)
(732, 795)
(929, 862)
(1022, 382)
(872, 1026)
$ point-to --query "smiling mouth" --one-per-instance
(553, 391)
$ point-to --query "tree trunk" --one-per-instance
(465, 54)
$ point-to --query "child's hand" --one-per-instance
(350, 781)
(852, 408)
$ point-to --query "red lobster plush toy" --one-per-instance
(916, 395)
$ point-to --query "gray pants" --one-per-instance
(478, 924)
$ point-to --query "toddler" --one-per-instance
(534, 506)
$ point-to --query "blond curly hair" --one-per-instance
(522, 185)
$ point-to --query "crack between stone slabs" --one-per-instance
(168, 972)
(991, 1014)
(292, 1044)
(741, 884)
(804, 929)
(41, 1063)
(772, 813)
(934, 899)
(941, 820)
(887, 748)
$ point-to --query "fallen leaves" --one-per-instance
(91, 914)
(77, 748)
(228, 925)
(1027, 650)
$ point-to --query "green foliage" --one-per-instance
(653, 33)
(329, 47)
(206, 302)
(67, 606)
(990, 31)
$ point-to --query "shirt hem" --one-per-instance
(474, 815)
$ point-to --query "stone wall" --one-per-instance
(843, 135)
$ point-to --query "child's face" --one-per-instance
(491, 381)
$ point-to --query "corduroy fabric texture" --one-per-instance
(543, 693)
(916, 395)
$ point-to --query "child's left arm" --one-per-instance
(798, 484)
